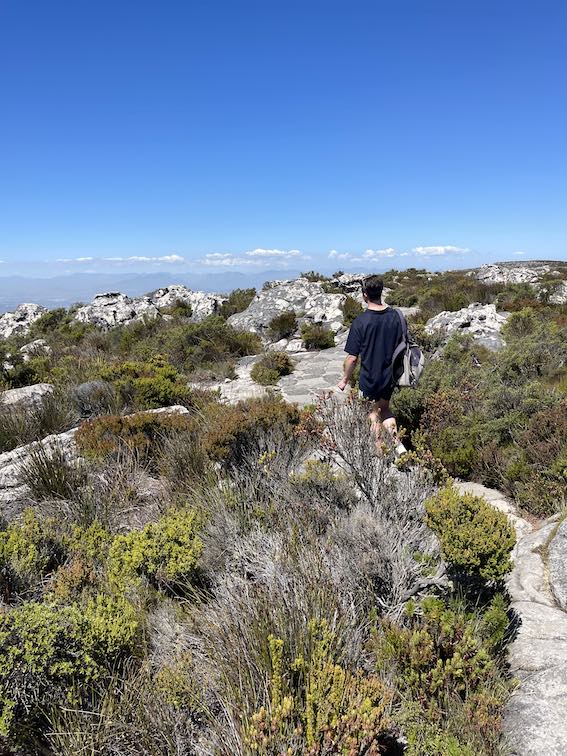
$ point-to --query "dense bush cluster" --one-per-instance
(499, 417)
(316, 336)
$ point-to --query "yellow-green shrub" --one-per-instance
(47, 652)
(476, 539)
(319, 706)
(147, 385)
(166, 552)
(29, 550)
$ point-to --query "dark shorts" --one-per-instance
(385, 394)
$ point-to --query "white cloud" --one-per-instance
(280, 253)
(519, 253)
(227, 259)
(75, 259)
(376, 254)
(334, 255)
(256, 257)
(439, 250)
(144, 258)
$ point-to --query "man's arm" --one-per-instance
(348, 367)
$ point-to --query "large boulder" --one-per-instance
(19, 322)
(482, 322)
(308, 299)
(202, 303)
(507, 273)
(27, 397)
(115, 309)
(558, 293)
(36, 348)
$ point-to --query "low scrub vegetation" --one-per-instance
(270, 368)
(254, 578)
(315, 336)
(273, 603)
(499, 417)
(283, 326)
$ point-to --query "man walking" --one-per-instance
(374, 336)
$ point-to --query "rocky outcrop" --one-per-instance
(115, 309)
(510, 273)
(27, 397)
(558, 293)
(201, 303)
(36, 348)
(19, 322)
(482, 322)
(307, 299)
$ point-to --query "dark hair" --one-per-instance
(372, 286)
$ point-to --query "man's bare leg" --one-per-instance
(381, 416)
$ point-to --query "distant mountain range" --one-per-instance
(63, 291)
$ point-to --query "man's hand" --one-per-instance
(342, 384)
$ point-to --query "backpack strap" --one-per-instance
(402, 346)
(404, 323)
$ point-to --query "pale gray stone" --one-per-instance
(114, 309)
(536, 716)
(19, 322)
(482, 322)
(202, 303)
(26, 397)
(36, 348)
(558, 565)
(307, 299)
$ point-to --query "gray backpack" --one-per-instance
(408, 360)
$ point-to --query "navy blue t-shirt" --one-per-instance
(374, 335)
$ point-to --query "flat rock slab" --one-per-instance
(314, 374)
(558, 565)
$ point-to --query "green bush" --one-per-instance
(140, 433)
(238, 300)
(313, 277)
(230, 431)
(48, 652)
(270, 368)
(179, 309)
(475, 538)
(445, 662)
(29, 551)
(351, 309)
(317, 336)
(282, 326)
(165, 552)
(147, 385)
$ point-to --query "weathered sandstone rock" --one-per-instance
(481, 321)
(18, 323)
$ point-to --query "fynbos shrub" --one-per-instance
(476, 539)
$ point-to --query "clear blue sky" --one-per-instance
(212, 134)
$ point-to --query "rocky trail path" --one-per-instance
(535, 719)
